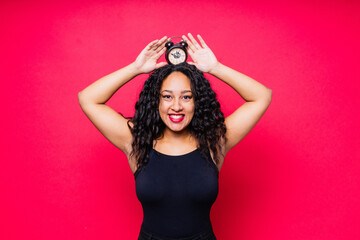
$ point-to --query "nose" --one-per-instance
(176, 105)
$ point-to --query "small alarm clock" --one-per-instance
(176, 53)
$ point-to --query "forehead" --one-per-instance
(176, 81)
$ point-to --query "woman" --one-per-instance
(177, 141)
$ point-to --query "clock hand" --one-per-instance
(176, 55)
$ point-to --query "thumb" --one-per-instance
(159, 65)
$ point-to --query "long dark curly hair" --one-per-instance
(207, 124)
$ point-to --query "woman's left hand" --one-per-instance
(204, 59)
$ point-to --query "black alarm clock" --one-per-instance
(176, 52)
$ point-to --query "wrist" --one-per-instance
(134, 69)
(215, 70)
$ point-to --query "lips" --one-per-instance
(176, 118)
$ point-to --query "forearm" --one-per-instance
(249, 89)
(103, 89)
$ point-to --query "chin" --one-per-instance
(177, 129)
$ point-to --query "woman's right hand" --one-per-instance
(146, 62)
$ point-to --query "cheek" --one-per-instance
(161, 105)
(192, 107)
(191, 111)
(163, 108)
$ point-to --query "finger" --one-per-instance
(150, 45)
(157, 43)
(195, 43)
(160, 43)
(155, 46)
(202, 41)
(191, 63)
(160, 48)
(159, 65)
(158, 55)
(163, 38)
(191, 53)
(190, 45)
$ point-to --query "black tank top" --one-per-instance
(176, 193)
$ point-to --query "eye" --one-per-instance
(166, 97)
(187, 97)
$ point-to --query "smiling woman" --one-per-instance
(184, 113)
(176, 106)
(178, 138)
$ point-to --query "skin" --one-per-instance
(176, 98)
(176, 141)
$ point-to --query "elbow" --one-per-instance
(269, 95)
(80, 98)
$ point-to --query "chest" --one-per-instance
(187, 177)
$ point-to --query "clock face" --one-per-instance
(177, 55)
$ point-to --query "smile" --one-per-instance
(176, 118)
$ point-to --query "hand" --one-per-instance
(204, 59)
(146, 62)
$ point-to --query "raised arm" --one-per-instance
(256, 95)
(93, 98)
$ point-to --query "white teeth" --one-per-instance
(176, 116)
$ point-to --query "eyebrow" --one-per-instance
(185, 91)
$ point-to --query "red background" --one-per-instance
(295, 176)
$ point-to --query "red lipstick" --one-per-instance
(176, 118)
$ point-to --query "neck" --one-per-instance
(170, 136)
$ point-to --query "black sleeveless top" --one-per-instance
(176, 193)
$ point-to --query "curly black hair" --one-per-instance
(207, 124)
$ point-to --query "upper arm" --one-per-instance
(240, 122)
(111, 124)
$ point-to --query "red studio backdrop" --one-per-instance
(296, 175)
